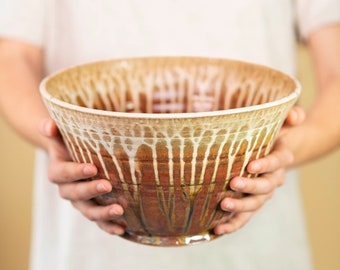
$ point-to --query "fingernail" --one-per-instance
(255, 167)
(240, 184)
(112, 212)
(115, 212)
(101, 188)
(88, 170)
(229, 205)
(220, 231)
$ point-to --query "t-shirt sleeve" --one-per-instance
(314, 14)
(23, 20)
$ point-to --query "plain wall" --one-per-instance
(320, 186)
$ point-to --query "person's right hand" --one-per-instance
(67, 175)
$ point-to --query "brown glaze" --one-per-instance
(171, 153)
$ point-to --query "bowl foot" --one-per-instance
(169, 241)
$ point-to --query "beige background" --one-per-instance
(320, 186)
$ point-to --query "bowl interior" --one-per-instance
(169, 85)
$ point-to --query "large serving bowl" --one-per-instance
(169, 133)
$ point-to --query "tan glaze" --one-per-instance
(169, 133)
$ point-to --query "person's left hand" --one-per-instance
(271, 171)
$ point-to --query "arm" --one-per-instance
(319, 134)
(316, 136)
(321, 131)
(287, 152)
(21, 69)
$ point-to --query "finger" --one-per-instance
(66, 171)
(295, 116)
(256, 186)
(49, 129)
(246, 204)
(280, 157)
(56, 147)
(235, 223)
(111, 227)
(84, 190)
(95, 212)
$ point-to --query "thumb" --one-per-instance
(295, 116)
(56, 146)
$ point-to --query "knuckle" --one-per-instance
(290, 158)
(270, 195)
(75, 204)
(63, 193)
(90, 215)
(281, 180)
(51, 176)
(258, 202)
(269, 186)
(100, 225)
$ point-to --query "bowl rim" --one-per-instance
(139, 115)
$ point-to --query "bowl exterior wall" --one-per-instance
(169, 174)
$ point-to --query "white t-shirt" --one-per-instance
(77, 31)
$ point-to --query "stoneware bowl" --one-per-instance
(169, 133)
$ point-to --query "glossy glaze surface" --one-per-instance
(169, 133)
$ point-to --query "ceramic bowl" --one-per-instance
(169, 133)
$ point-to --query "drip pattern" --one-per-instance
(169, 158)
